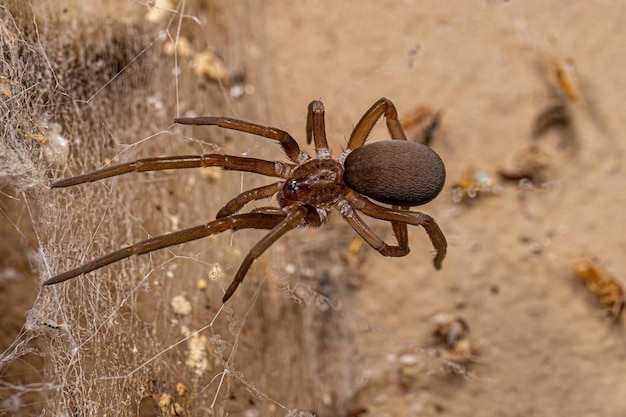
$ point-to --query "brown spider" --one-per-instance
(398, 172)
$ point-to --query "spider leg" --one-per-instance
(291, 221)
(435, 234)
(383, 106)
(316, 129)
(235, 222)
(368, 235)
(401, 232)
(288, 143)
(237, 203)
(228, 162)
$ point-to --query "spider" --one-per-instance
(397, 172)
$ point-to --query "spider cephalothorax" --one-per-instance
(397, 172)
(317, 182)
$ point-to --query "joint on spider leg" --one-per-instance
(303, 157)
(393, 251)
(437, 239)
(317, 106)
(282, 170)
(322, 214)
(345, 208)
(343, 156)
(207, 159)
(323, 153)
(356, 203)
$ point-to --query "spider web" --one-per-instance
(149, 335)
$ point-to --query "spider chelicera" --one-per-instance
(397, 172)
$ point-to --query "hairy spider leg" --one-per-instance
(363, 128)
(279, 223)
(237, 203)
(288, 143)
(291, 221)
(405, 217)
(228, 162)
(350, 215)
(316, 129)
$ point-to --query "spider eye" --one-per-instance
(292, 186)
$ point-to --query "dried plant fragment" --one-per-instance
(608, 289)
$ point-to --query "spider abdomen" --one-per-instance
(395, 172)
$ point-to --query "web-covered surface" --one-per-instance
(88, 86)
